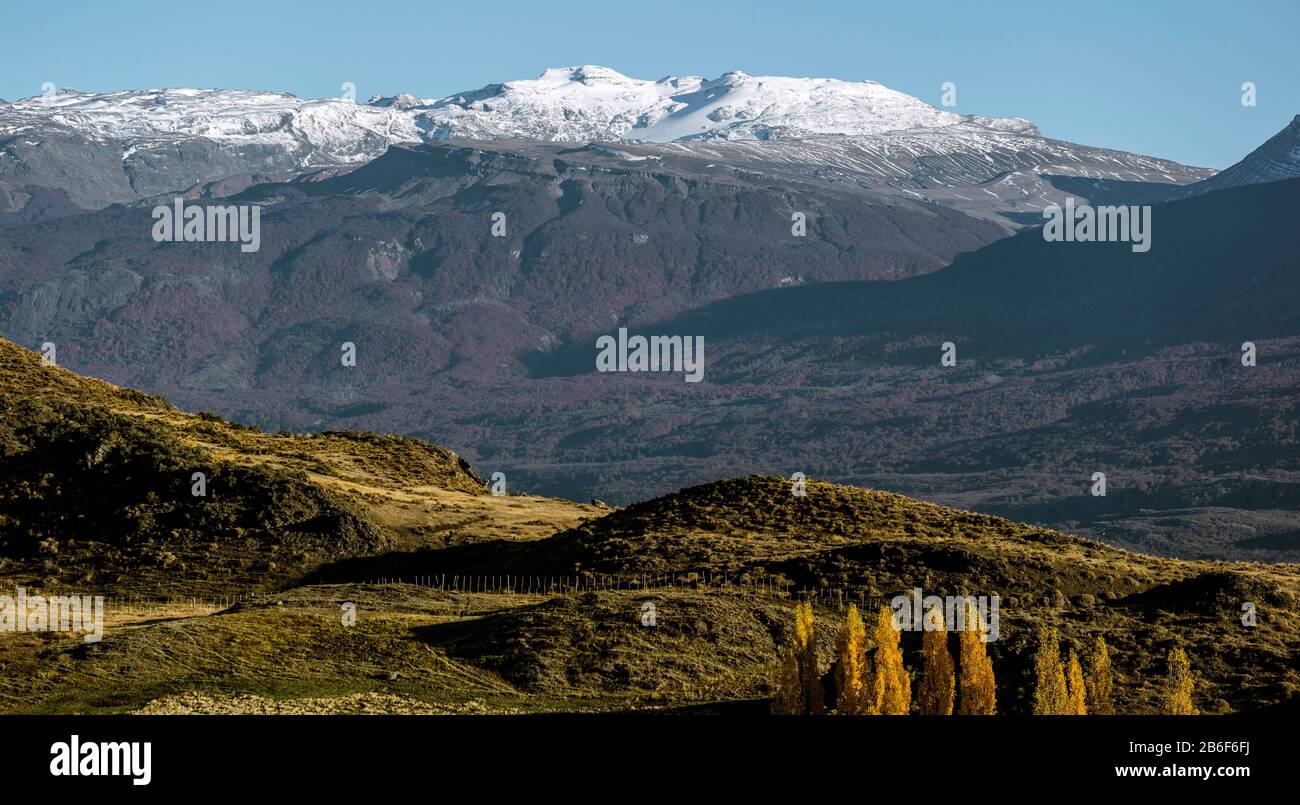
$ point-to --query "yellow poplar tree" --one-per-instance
(800, 692)
(1101, 687)
(976, 683)
(851, 666)
(1179, 686)
(1076, 704)
(938, 685)
(1050, 695)
(875, 693)
(891, 685)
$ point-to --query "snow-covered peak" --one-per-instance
(333, 129)
(597, 103)
(581, 104)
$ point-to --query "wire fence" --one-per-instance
(509, 584)
(770, 586)
(559, 585)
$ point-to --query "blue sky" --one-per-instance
(1149, 76)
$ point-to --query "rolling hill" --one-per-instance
(554, 618)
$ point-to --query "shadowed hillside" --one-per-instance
(98, 488)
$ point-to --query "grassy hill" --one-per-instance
(535, 604)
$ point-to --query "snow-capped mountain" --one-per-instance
(124, 146)
(570, 104)
(98, 149)
(319, 131)
(580, 104)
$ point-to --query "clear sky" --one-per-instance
(1150, 76)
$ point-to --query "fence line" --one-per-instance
(524, 584)
(776, 587)
(511, 584)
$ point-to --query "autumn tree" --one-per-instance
(1076, 696)
(1179, 686)
(875, 692)
(976, 683)
(800, 691)
(938, 685)
(851, 666)
(1101, 687)
(891, 687)
(1050, 695)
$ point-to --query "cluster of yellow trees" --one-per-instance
(879, 684)
(1062, 689)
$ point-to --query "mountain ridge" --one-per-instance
(564, 104)
(121, 146)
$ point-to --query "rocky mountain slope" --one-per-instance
(485, 342)
(407, 241)
(1072, 358)
(1276, 160)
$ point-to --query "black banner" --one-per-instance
(140, 755)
